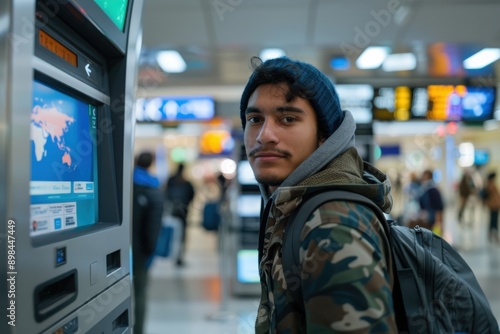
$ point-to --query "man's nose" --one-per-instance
(268, 132)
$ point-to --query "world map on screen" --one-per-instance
(62, 144)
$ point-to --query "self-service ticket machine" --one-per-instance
(364, 142)
(67, 81)
(245, 237)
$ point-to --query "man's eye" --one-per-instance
(288, 119)
(254, 119)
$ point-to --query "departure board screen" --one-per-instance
(434, 102)
(358, 100)
(175, 108)
(51, 44)
(419, 103)
(453, 103)
(392, 103)
(478, 104)
(445, 102)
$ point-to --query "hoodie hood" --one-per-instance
(346, 172)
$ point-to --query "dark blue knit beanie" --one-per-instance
(322, 94)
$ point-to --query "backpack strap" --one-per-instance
(291, 242)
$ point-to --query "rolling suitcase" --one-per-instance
(169, 239)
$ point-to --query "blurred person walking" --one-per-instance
(179, 193)
(466, 189)
(146, 223)
(492, 202)
(431, 203)
(411, 195)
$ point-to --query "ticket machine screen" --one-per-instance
(63, 185)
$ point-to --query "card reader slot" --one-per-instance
(55, 294)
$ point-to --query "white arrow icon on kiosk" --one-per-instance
(88, 70)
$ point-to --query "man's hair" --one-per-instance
(491, 176)
(144, 160)
(428, 174)
(277, 75)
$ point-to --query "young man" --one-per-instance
(297, 138)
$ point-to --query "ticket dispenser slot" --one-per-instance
(55, 294)
(113, 262)
(120, 323)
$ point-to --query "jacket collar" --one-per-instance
(346, 172)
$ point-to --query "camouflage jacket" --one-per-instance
(346, 273)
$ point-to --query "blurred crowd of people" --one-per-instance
(158, 204)
(423, 202)
(151, 204)
(473, 194)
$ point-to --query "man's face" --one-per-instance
(279, 135)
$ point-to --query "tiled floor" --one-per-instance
(190, 300)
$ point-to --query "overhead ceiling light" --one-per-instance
(171, 61)
(400, 62)
(482, 58)
(271, 53)
(372, 57)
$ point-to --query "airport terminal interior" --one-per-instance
(204, 296)
(107, 82)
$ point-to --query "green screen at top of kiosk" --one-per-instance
(116, 10)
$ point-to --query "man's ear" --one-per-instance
(321, 137)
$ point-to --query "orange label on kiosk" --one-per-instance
(57, 48)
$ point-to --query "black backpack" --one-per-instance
(435, 291)
(483, 194)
